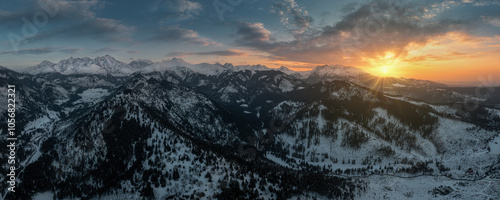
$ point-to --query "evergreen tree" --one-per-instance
(175, 175)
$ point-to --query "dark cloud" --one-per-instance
(176, 9)
(253, 34)
(368, 31)
(384, 25)
(70, 50)
(349, 7)
(176, 34)
(66, 19)
(256, 36)
(54, 10)
(102, 29)
(44, 50)
(82, 10)
(209, 53)
(292, 14)
(13, 17)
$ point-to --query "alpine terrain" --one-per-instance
(99, 128)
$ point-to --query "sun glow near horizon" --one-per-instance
(455, 56)
(385, 71)
(382, 65)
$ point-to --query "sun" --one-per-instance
(385, 71)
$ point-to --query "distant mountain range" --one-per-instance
(104, 129)
(107, 65)
(428, 91)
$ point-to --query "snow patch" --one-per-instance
(495, 145)
(398, 85)
(92, 95)
(43, 196)
(277, 160)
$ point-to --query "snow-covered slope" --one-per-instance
(334, 72)
(147, 132)
(175, 65)
(44, 67)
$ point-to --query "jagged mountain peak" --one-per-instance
(44, 67)
(228, 65)
(173, 62)
(3, 68)
(181, 67)
(284, 68)
(338, 70)
(46, 62)
(106, 59)
(103, 65)
(140, 63)
(180, 60)
(257, 67)
(335, 72)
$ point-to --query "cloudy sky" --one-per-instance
(426, 39)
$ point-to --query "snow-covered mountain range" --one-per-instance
(107, 65)
(104, 129)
